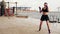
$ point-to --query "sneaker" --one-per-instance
(49, 31)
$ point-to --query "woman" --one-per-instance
(44, 17)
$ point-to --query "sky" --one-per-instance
(34, 4)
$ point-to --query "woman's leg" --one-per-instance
(48, 26)
(40, 25)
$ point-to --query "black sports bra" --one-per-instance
(45, 10)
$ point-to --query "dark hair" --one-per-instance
(45, 3)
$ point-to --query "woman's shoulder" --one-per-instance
(42, 7)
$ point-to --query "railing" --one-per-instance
(54, 17)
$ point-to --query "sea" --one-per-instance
(54, 16)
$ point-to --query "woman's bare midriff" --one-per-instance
(45, 13)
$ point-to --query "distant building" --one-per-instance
(23, 8)
(26, 9)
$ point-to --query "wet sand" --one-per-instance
(14, 25)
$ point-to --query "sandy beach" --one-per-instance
(14, 25)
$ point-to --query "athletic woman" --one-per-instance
(44, 17)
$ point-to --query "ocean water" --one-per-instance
(52, 15)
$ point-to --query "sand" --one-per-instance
(14, 25)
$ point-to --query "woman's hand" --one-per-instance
(40, 9)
